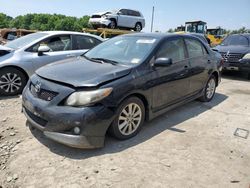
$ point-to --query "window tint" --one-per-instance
(84, 42)
(173, 49)
(123, 12)
(194, 48)
(57, 43)
(235, 40)
(133, 13)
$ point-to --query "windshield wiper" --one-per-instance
(106, 60)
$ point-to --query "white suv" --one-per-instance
(123, 18)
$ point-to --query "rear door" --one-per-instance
(124, 18)
(198, 59)
(60, 48)
(171, 83)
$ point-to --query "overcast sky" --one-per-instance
(229, 14)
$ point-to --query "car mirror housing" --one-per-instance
(163, 62)
(43, 49)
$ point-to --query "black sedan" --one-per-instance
(118, 85)
(235, 49)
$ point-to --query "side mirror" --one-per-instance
(163, 62)
(43, 49)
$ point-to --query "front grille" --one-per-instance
(42, 93)
(231, 57)
(96, 16)
(36, 119)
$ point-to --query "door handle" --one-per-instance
(185, 66)
(209, 61)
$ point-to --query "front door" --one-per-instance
(60, 48)
(171, 83)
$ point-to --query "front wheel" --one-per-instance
(209, 91)
(129, 119)
(12, 81)
(112, 24)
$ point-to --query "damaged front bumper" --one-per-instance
(58, 122)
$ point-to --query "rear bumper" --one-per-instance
(242, 65)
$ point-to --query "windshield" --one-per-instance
(25, 40)
(238, 40)
(128, 50)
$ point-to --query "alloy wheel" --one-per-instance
(129, 119)
(210, 88)
(10, 82)
(138, 27)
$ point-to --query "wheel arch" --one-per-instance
(18, 68)
(143, 98)
(216, 75)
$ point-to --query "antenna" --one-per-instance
(152, 21)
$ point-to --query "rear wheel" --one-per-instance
(12, 81)
(138, 27)
(129, 119)
(209, 91)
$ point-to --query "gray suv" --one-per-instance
(20, 58)
(122, 18)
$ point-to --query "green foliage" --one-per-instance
(4, 20)
(44, 22)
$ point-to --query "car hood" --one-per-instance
(233, 49)
(4, 50)
(102, 13)
(80, 72)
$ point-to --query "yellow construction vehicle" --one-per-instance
(215, 35)
(196, 27)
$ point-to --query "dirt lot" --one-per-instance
(192, 146)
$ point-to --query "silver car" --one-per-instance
(122, 18)
(20, 58)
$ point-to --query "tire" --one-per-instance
(248, 75)
(138, 27)
(112, 24)
(127, 126)
(12, 81)
(209, 90)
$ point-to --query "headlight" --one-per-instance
(82, 98)
(247, 56)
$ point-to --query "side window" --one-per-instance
(123, 12)
(174, 49)
(194, 48)
(82, 42)
(56, 44)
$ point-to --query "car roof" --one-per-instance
(159, 35)
(70, 33)
(242, 34)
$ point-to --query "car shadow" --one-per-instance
(235, 75)
(166, 122)
(9, 97)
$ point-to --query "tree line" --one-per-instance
(44, 22)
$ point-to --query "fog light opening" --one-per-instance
(77, 130)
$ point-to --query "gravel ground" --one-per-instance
(191, 146)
